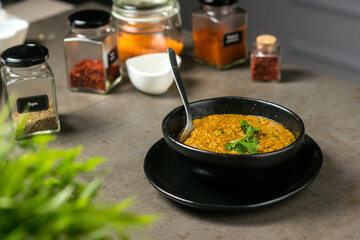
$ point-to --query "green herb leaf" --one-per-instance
(248, 143)
(248, 129)
(243, 145)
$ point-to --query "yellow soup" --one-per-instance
(213, 132)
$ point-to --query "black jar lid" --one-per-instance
(218, 2)
(25, 55)
(89, 19)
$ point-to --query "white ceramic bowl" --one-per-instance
(13, 31)
(151, 73)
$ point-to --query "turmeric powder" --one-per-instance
(131, 45)
(209, 47)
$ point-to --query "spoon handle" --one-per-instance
(180, 86)
(177, 77)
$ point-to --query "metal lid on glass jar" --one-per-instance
(144, 11)
(89, 19)
(25, 55)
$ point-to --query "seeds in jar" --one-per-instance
(38, 121)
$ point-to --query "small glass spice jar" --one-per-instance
(219, 33)
(91, 53)
(28, 78)
(265, 59)
(147, 26)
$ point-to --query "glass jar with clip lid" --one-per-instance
(147, 26)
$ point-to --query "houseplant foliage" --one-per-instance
(42, 196)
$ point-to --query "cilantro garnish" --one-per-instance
(246, 144)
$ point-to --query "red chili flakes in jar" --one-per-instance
(265, 68)
(265, 59)
(88, 74)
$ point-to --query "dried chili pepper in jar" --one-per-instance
(265, 59)
(91, 52)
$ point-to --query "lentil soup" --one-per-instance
(213, 132)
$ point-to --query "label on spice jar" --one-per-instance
(113, 67)
(112, 56)
(232, 38)
(32, 104)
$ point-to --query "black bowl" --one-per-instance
(234, 167)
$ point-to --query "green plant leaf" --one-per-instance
(87, 193)
(42, 197)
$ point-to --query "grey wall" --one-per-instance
(321, 35)
(187, 6)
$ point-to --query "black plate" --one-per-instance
(165, 172)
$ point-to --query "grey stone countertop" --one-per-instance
(123, 125)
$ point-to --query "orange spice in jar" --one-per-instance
(219, 33)
(147, 26)
(265, 59)
(132, 45)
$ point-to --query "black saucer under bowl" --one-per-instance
(165, 171)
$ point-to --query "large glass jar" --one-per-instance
(29, 80)
(219, 33)
(147, 26)
(91, 53)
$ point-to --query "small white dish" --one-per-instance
(13, 31)
(151, 73)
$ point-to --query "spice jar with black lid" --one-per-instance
(219, 33)
(28, 78)
(91, 52)
(265, 59)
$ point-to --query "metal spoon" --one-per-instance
(175, 71)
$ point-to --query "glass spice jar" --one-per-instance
(265, 59)
(147, 26)
(219, 33)
(28, 78)
(91, 52)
